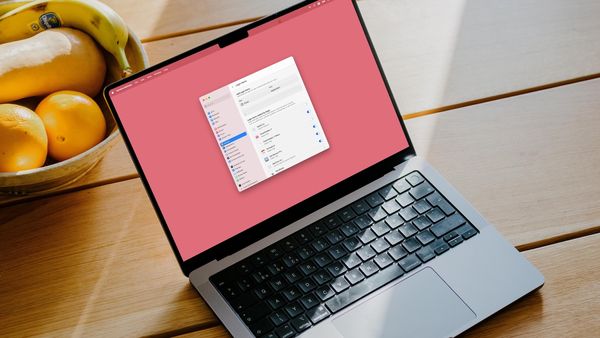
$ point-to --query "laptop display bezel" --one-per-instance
(293, 213)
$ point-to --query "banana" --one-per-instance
(90, 16)
(9, 5)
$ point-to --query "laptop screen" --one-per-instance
(233, 135)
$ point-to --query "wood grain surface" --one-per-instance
(96, 261)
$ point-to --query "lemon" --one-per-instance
(23, 141)
(74, 123)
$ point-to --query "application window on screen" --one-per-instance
(264, 123)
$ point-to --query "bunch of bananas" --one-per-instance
(21, 19)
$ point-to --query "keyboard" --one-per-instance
(319, 270)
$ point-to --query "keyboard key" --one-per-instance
(335, 236)
(397, 252)
(306, 252)
(332, 222)
(324, 292)
(356, 292)
(377, 214)
(337, 251)
(435, 215)
(440, 247)
(352, 244)
(447, 225)
(306, 285)
(354, 276)
(303, 236)
(254, 313)
(421, 206)
(366, 253)
(290, 259)
(425, 237)
(405, 199)
(383, 260)
(317, 314)
(244, 300)
(340, 284)
(262, 291)
(285, 331)
(294, 309)
(277, 283)
(309, 301)
(394, 238)
(307, 268)
(456, 241)
(387, 192)
(369, 268)
(349, 229)
(415, 179)
(318, 229)
(426, 254)
(374, 199)
(259, 259)
(261, 276)
(408, 214)
(274, 252)
(320, 244)
(323, 259)
(301, 323)
(289, 244)
(411, 244)
(270, 335)
(380, 229)
(360, 207)
(291, 293)
(352, 261)
(245, 284)
(401, 185)
(394, 221)
(346, 214)
(336, 268)
(230, 291)
(469, 233)
(275, 267)
(363, 221)
(261, 327)
(292, 276)
(409, 263)
(380, 245)
(407, 230)
(276, 302)
(322, 277)
(422, 222)
(421, 190)
(450, 235)
(391, 207)
(437, 200)
(366, 236)
(278, 318)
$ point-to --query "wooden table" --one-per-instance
(502, 97)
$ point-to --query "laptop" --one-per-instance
(287, 184)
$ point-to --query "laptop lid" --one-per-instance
(245, 134)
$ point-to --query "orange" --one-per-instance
(74, 123)
(23, 141)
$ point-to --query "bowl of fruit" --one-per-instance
(55, 58)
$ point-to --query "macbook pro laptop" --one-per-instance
(283, 175)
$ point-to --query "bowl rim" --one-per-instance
(60, 164)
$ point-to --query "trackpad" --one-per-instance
(420, 306)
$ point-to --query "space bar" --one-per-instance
(364, 288)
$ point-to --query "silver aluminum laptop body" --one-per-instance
(441, 298)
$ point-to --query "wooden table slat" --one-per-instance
(156, 18)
